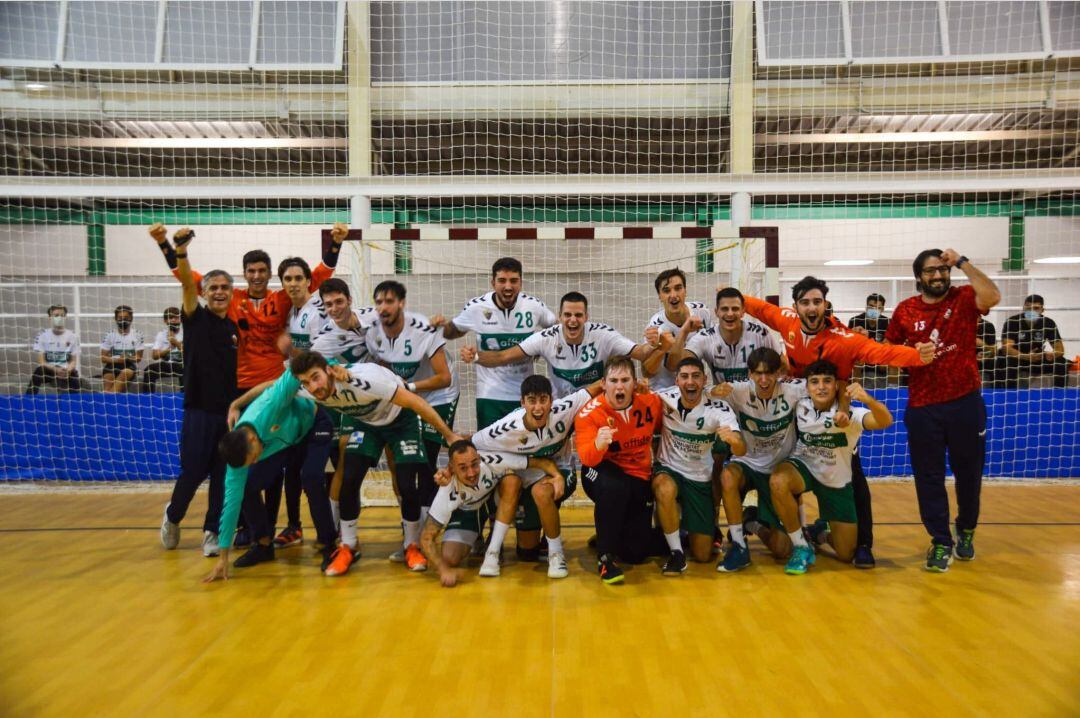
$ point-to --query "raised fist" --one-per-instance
(926, 351)
(950, 257)
(183, 236)
(339, 232)
(158, 232)
(604, 437)
(652, 336)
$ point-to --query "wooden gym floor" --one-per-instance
(98, 620)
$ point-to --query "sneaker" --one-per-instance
(210, 544)
(398, 556)
(327, 553)
(939, 557)
(736, 559)
(242, 539)
(291, 536)
(542, 556)
(965, 544)
(675, 565)
(340, 560)
(490, 567)
(414, 558)
(815, 532)
(802, 558)
(170, 532)
(864, 557)
(255, 555)
(610, 572)
(557, 566)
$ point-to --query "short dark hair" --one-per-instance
(667, 274)
(334, 286)
(54, 307)
(821, 367)
(306, 361)
(875, 297)
(766, 356)
(1034, 299)
(620, 362)
(574, 297)
(170, 312)
(459, 447)
(254, 257)
(807, 284)
(122, 308)
(730, 293)
(292, 262)
(234, 446)
(506, 264)
(691, 361)
(395, 288)
(536, 384)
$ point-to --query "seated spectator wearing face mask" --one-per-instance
(121, 352)
(56, 351)
(872, 323)
(1031, 344)
(167, 354)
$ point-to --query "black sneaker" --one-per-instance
(965, 544)
(609, 570)
(242, 539)
(938, 558)
(255, 555)
(675, 565)
(864, 557)
(327, 556)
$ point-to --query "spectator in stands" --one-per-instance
(871, 323)
(121, 352)
(1031, 345)
(167, 354)
(986, 350)
(57, 352)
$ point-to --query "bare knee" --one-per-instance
(543, 494)
(664, 488)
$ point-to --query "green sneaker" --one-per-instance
(965, 544)
(802, 558)
(938, 558)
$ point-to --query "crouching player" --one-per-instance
(466, 486)
(821, 463)
(684, 463)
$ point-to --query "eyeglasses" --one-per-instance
(942, 269)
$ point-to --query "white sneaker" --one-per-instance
(210, 544)
(170, 532)
(398, 556)
(490, 567)
(557, 566)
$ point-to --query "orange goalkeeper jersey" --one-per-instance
(631, 450)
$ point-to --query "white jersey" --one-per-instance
(496, 329)
(457, 495)
(728, 361)
(664, 378)
(824, 447)
(768, 425)
(573, 366)
(409, 355)
(58, 348)
(127, 345)
(367, 395)
(306, 322)
(348, 345)
(687, 437)
(161, 343)
(510, 435)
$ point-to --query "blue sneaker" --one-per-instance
(864, 557)
(964, 549)
(736, 559)
(802, 558)
(939, 558)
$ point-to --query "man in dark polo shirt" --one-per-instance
(1031, 344)
(210, 344)
(871, 323)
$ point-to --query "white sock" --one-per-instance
(412, 532)
(737, 534)
(423, 515)
(802, 515)
(498, 536)
(335, 512)
(671, 538)
(348, 532)
(797, 538)
(554, 545)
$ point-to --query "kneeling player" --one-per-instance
(684, 461)
(821, 462)
(460, 505)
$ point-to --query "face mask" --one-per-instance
(873, 314)
(1031, 315)
(58, 322)
(123, 324)
(174, 327)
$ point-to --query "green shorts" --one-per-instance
(402, 436)
(466, 525)
(833, 504)
(695, 500)
(528, 516)
(446, 412)
(488, 411)
(760, 482)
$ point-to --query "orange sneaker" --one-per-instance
(340, 560)
(414, 558)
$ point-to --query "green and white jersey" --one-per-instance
(306, 322)
(664, 378)
(58, 348)
(496, 329)
(367, 396)
(573, 366)
(824, 447)
(768, 425)
(346, 345)
(510, 435)
(687, 435)
(728, 361)
(457, 495)
(409, 354)
(126, 345)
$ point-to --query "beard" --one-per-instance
(936, 289)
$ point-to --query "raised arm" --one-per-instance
(880, 416)
(987, 294)
(651, 365)
(868, 351)
(766, 313)
(440, 377)
(187, 278)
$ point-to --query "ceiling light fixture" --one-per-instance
(848, 262)
(1057, 260)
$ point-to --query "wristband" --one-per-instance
(960, 262)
